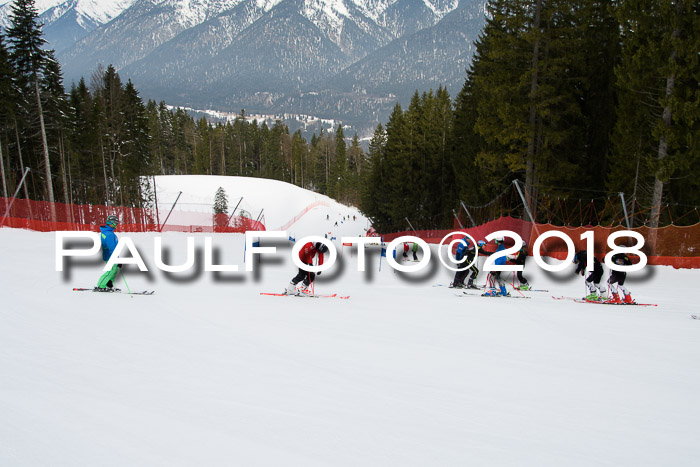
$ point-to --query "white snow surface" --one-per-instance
(279, 202)
(208, 372)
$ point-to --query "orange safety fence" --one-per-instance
(43, 216)
(668, 246)
(303, 212)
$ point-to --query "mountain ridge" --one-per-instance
(330, 58)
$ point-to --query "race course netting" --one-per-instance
(677, 246)
(43, 216)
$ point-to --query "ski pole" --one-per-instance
(127, 285)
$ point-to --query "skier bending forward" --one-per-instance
(306, 255)
(109, 243)
(617, 279)
(495, 276)
(595, 290)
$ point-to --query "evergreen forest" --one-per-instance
(572, 99)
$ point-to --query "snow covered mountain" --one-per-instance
(67, 21)
(331, 58)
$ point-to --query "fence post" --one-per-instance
(228, 221)
(624, 209)
(468, 214)
(260, 215)
(155, 198)
(409, 224)
(9, 206)
(457, 219)
(527, 209)
(171, 211)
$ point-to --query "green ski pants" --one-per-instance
(108, 276)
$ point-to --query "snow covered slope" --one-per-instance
(280, 202)
(208, 372)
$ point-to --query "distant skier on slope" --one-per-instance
(109, 243)
(617, 278)
(496, 275)
(595, 290)
(519, 259)
(415, 250)
(306, 255)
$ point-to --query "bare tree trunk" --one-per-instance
(240, 159)
(70, 190)
(663, 144)
(21, 162)
(223, 153)
(2, 168)
(64, 175)
(104, 171)
(45, 145)
(531, 144)
(21, 165)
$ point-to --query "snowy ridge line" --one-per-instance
(304, 212)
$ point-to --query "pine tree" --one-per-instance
(396, 173)
(220, 208)
(299, 163)
(57, 114)
(202, 155)
(374, 195)
(29, 60)
(656, 150)
(135, 154)
(7, 103)
(220, 201)
(339, 171)
(356, 162)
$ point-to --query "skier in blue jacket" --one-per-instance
(109, 244)
(467, 253)
(496, 275)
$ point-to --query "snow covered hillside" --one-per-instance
(208, 372)
(280, 203)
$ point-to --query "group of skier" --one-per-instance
(465, 254)
(109, 243)
(616, 281)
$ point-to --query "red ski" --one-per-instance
(608, 303)
(305, 295)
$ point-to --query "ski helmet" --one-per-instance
(112, 221)
(481, 243)
(498, 240)
(321, 247)
(524, 247)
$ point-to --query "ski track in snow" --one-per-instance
(208, 372)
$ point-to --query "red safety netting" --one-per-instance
(670, 246)
(43, 216)
(303, 212)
